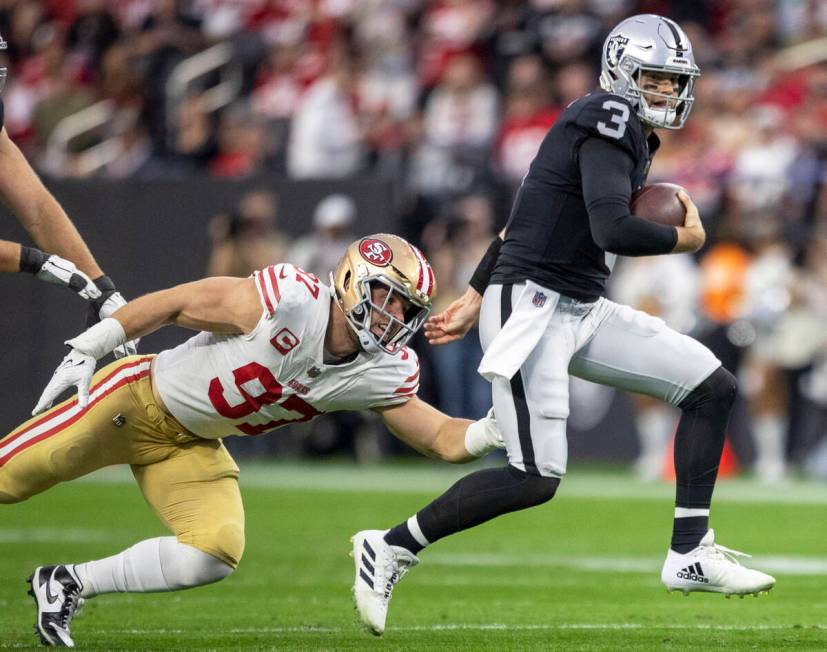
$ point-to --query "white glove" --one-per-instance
(113, 303)
(63, 272)
(75, 370)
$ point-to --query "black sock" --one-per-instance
(687, 532)
(400, 535)
(472, 500)
(698, 446)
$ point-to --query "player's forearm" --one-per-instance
(38, 211)
(150, 312)
(428, 431)
(219, 305)
(9, 256)
(52, 231)
(449, 443)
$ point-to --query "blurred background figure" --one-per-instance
(320, 251)
(454, 246)
(248, 239)
(326, 134)
(666, 287)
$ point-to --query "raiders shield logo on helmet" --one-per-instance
(614, 49)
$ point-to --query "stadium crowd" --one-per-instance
(449, 99)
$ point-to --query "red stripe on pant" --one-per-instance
(68, 406)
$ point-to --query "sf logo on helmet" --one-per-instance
(376, 252)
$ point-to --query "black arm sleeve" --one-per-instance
(479, 280)
(606, 170)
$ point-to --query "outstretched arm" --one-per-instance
(15, 257)
(462, 315)
(38, 211)
(219, 305)
(435, 434)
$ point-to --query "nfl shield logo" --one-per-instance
(539, 299)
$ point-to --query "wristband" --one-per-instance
(107, 288)
(483, 436)
(100, 339)
(31, 259)
(480, 277)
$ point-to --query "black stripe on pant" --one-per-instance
(518, 394)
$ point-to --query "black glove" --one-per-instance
(109, 301)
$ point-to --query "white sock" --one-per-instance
(768, 434)
(161, 564)
(654, 426)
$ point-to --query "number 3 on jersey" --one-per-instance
(619, 116)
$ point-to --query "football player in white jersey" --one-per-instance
(277, 347)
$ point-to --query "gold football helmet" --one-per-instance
(383, 260)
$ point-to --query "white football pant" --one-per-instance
(603, 342)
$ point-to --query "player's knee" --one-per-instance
(9, 493)
(536, 489)
(716, 392)
(542, 489)
(186, 566)
(226, 543)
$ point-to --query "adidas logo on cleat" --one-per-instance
(693, 573)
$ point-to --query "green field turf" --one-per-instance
(581, 573)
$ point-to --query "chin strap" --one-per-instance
(367, 342)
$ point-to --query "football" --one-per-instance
(658, 202)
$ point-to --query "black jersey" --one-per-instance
(2, 114)
(548, 237)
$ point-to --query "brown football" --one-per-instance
(659, 203)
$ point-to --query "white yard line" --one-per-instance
(26, 535)
(428, 478)
(783, 565)
(483, 627)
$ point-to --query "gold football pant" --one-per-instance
(190, 482)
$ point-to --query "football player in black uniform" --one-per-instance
(72, 265)
(539, 297)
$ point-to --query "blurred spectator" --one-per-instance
(242, 144)
(195, 141)
(528, 116)
(455, 247)
(320, 251)
(665, 287)
(326, 137)
(459, 123)
(247, 240)
(450, 27)
(91, 33)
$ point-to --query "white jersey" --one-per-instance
(218, 385)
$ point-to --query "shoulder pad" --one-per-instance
(610, 117)
(286, 284)
(409, 368)
(401, 379)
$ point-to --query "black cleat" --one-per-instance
(56, 593)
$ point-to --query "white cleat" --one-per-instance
(714, 568)
(56, 592)
(379, 566)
